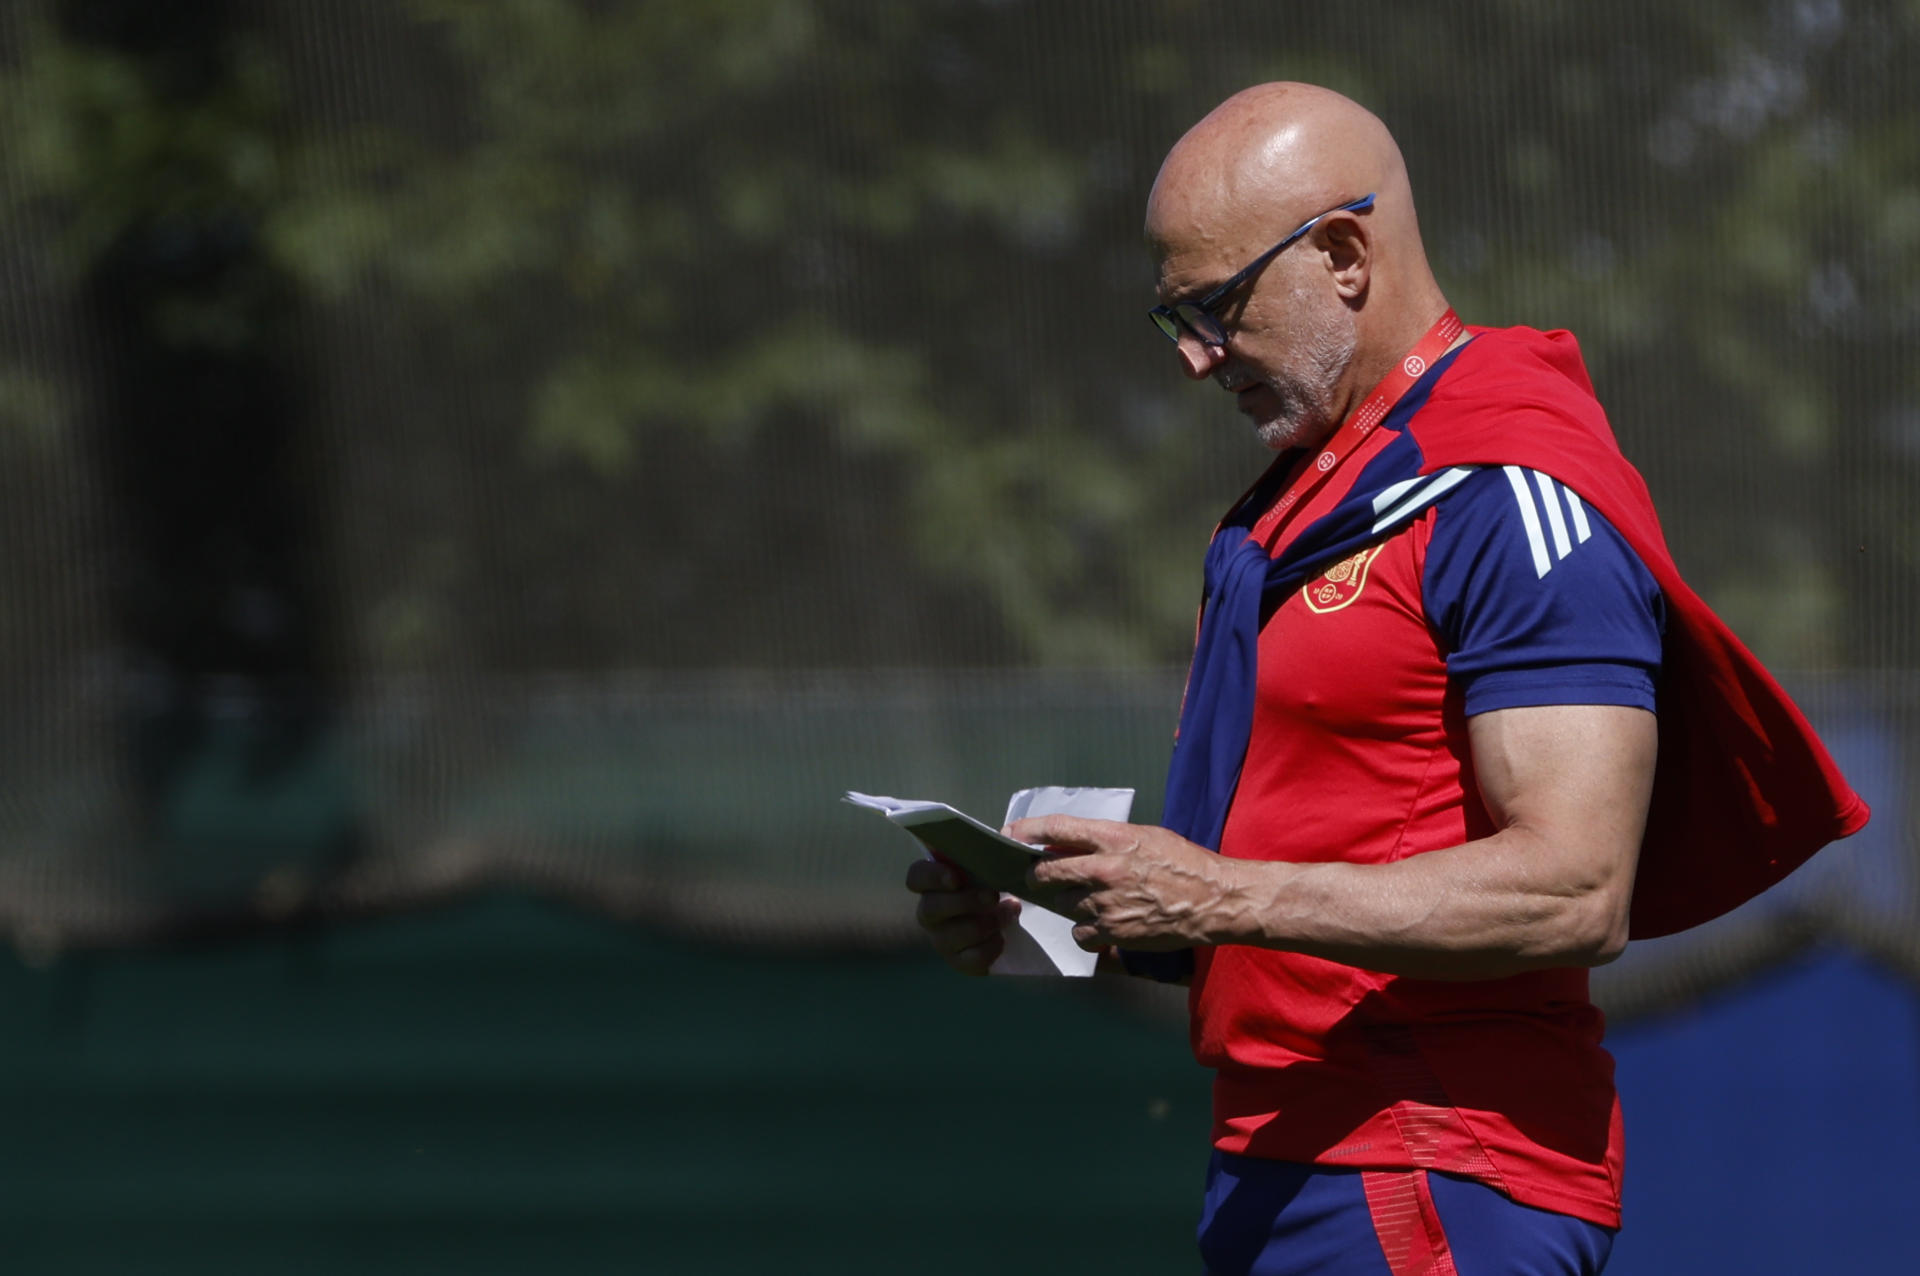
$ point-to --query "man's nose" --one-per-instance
(1200, 358)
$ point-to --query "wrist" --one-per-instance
(1239, 909)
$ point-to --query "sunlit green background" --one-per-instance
(477, 480)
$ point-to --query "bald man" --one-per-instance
(1416, 752)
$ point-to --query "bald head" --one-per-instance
(1271, 156)
(1260, 164)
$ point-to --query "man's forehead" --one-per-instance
(1222, 219)
(1187, 276)
(1193, 252)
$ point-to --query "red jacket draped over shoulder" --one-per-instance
(1744, 792)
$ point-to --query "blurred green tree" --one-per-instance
(807, 332)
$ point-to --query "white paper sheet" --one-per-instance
(1043, 942)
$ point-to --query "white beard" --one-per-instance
(1307, 397)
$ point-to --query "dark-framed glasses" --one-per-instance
(1197, 316)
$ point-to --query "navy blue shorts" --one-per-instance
(1275, 1218)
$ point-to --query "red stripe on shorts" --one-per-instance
(1406, 1223)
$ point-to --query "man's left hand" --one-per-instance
(1134, 885)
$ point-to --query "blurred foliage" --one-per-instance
(808, 332)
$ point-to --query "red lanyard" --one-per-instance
(1360, 424)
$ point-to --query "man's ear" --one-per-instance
(1347, 248)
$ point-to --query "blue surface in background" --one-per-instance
(1775, 1129)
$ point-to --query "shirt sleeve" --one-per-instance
(1538, 599)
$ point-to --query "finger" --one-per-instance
(979, 959)
(1056, 871)
(1064, 832)
(1072, 903)
(1090, 937)
(936, 907)
(935, 875)
(958, 935)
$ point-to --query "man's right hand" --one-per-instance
(964, 921)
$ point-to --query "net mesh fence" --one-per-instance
(565, 444)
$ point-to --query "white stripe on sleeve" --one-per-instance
(1392, 492)
(1581, 530)
(1562, 546)
(1523, 496)
(1431, 489)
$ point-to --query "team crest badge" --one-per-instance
(1340, 584)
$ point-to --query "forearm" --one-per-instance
(1483, 910)
(1567, 786)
